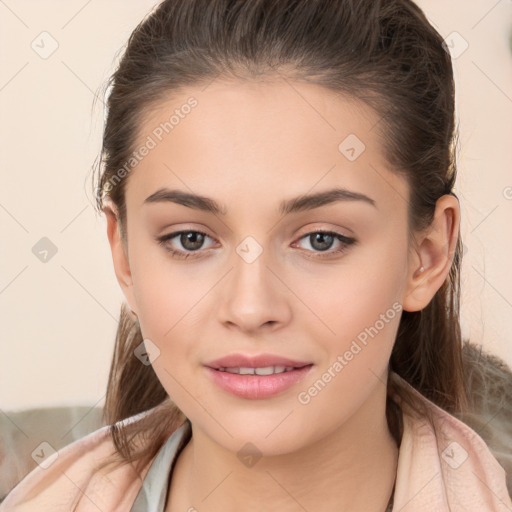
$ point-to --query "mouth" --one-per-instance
(260, 364)
(258, 382)
(265, 370)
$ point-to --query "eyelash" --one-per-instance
(178, 254)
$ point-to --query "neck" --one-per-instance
(353, 468)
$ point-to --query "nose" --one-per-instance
(253, 296)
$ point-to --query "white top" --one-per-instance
(152, 496)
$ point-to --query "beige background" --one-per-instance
(58, 318)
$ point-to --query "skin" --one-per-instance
(250, 145)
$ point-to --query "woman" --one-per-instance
(278, 185)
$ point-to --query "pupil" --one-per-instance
(191, 240)
(321, 237)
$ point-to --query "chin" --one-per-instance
(266, 435)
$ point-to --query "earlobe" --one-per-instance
(432, 257)
(119, 255)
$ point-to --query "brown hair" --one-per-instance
(382, 52)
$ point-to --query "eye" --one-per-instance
(191, 241)
(322, 241)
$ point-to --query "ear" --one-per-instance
(119, 253)
(431, 259)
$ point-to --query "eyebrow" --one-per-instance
(297, 204)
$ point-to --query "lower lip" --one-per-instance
(256, 387)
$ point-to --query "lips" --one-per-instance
(256, 377)
(237, 361)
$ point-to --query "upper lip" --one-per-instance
(258, 361)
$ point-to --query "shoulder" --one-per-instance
(444, 462)
(70, 479)
(488, 381)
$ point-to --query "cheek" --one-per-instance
(359, 310)
(362, 314)
(170, 306)
(173, 303)
(357, 330)
(353, 296)
(163, 288)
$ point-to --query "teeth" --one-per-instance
(268, 370)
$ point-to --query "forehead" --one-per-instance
(261, 138)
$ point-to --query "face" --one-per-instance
(318, 282)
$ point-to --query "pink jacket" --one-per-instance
(448, 468)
